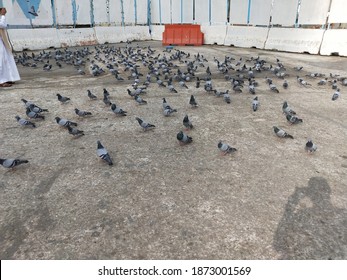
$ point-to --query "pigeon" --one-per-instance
(102, 153)
(182, 83)
(27, 103)
(36, 109)
(336, 95)
(117, 110)
(281, 133)
(10, 163)
(90, 95)
(32, 11)
(62, 99)
(310, 147)
(74, 131)
(273, 88)
(168, 111)
(225, 148)
(197, 85)
(165, 104)
(47, 67)
(82, 113)
(139, 100)
(107, 101)
(226, 97)
(192, 101)
(144, 125)
(65, 122)
(183, 138)
(293, 119)
(105, 92)
(186, 122)
(24, 122)
(34, 115)
(287, 110)
(285, 84)
(255, 104)
(81, 72)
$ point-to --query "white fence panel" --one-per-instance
(83, 12)
(64, 12)
(187, 12)
(165, 11)
(176, 11)
(141, 11)
(260, 12)
(313, 11)
(101, 12)
(116, 12)
(238, 11)
(219, 11)
(284, 12)
(338, 11)
(202, 11)
(129, 11)
(155, 11)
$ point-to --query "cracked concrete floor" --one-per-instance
(160, 200)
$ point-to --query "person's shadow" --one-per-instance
(311, 227)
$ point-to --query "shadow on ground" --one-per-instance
(311, 227)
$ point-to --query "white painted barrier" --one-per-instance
(157, 32)
(77, 37)
(214, 34)
(295, 40)
(34, 39)
(117, 34)
(246, 36)
(334, 42)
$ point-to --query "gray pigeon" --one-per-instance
(117, 110)
(336, 95)
(62, 99)
(24, 122)
(168, 111)
(293, 119)
(144, 124)
(139, 100)
(65, 122)
(74, 131)
(281, 133)
(287, 110)
(310, 147)
(11, 163)
(103, 154)
(90, 95)
(34, 115)
(184, 138)
(186, 122)
(225, 148)
(192, 101)
(82, 113)
(226, 97)
(255, 104)
(36, 109)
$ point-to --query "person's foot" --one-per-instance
(11, 83)
(5, 85)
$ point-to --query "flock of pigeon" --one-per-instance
(166, 69)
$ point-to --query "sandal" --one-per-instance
(5, 85)
(11, 83)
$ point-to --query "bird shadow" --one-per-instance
(311, 227)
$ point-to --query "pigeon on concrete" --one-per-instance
(287, 110)
(62, 99)
(36, 109)
(168, 111)
(144, 124)
(27, 103)
(255, 104)
(90, 95)
(24, 122)
(285, 84)
(82, 113)
(74, 131)
(281, 133)
(187, 123)
(34, 115)
(184, 138)
(225, 148)
(193, 102)
(336, 95)
(293, 119)
(65, 122)
(118, 111)
(106, 93)
(11, 163)
(310, 147)
(139, 100)
(165, 104)
(106, 100)
(103, 154)
(226, 97)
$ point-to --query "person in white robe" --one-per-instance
(8, 68)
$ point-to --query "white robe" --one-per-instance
(8, 67)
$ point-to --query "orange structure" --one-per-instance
(183, 35)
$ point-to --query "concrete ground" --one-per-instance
(160, 200)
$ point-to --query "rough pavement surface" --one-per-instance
(162, 200)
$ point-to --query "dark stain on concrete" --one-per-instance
(315, 229)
